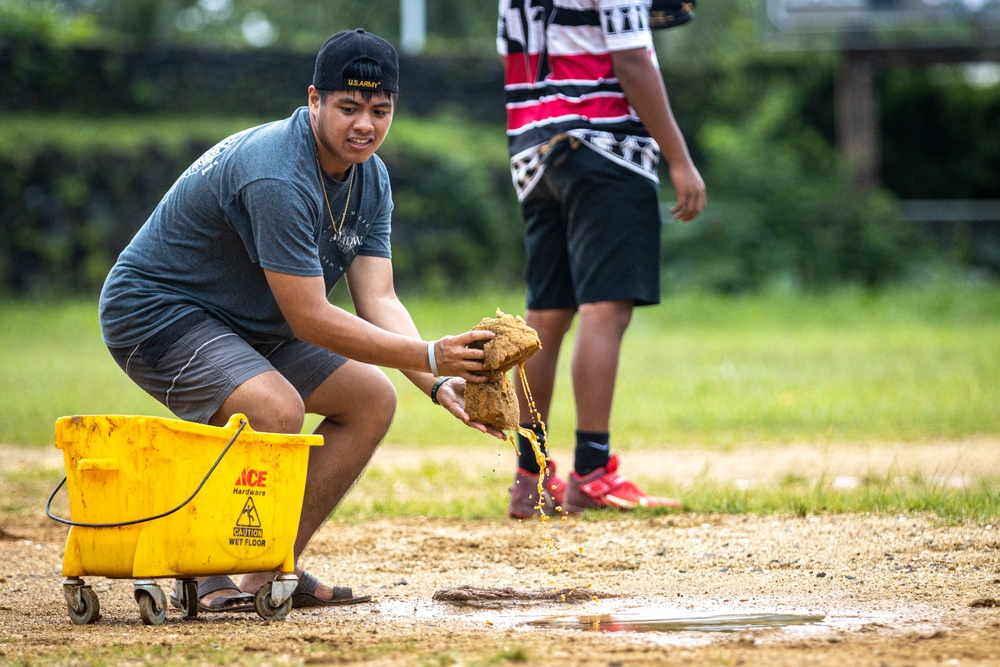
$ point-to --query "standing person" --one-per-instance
(587, 117)
(219, 304)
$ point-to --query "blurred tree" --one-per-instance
(49, 21)
(789, 219)
(723, 32)
(235, 24)
(956, 126)
(297, 25)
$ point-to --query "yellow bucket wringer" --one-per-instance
(152, 497)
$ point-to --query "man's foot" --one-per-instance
(217, 594)
(524, 493)
(309, 592)
(306, 594)
(606, 487)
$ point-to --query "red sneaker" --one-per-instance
(524, 493)
(606, 487)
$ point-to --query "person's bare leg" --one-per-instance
(599, 336)
(358, 401)
(540, 370)
(271, 405)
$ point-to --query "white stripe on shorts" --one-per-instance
(173, 383)
(129, 360)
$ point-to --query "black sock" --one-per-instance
(526, 453)
(592, 452)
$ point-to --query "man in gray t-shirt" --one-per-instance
(219, 305)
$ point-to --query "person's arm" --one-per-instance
(374, 336)
(382, 333)
(373, 293)
(642, 84)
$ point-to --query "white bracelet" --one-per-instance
(430, 358)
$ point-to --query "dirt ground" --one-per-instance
(813, 590)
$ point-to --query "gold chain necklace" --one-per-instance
(326, 198)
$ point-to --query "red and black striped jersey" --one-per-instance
(558, 78)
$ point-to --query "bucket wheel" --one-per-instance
(152, 602)
(186, 591)
(263, 603)
(81, 602)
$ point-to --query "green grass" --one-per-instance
(54, 364)
(910, 365)
(712, 371)
(450, 491)
(887, 493)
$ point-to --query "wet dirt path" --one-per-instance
(892, 590)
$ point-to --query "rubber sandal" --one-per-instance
(304, 594)
(230, 603)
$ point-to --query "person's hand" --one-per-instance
(455, 357)
(451, 395)
(690, 189)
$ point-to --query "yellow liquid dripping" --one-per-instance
(540, 458)
(529, 434)
(555, 567)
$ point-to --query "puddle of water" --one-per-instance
(659, 621)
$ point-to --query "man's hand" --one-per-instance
(690, 189)
(451, 395)
(455, 357)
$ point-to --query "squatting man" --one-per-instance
(219, 304)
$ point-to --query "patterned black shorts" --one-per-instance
(592, 232)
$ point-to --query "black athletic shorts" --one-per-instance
(592, 232)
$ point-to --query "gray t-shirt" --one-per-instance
(250, 203)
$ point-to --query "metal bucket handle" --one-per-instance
(119, 524)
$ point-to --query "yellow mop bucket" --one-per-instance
(152, 497)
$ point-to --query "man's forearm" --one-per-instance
(642, 84)
(390, 314)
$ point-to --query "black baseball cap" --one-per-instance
(347, 47)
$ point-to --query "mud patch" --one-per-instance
(984, 603)
(497, 598)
